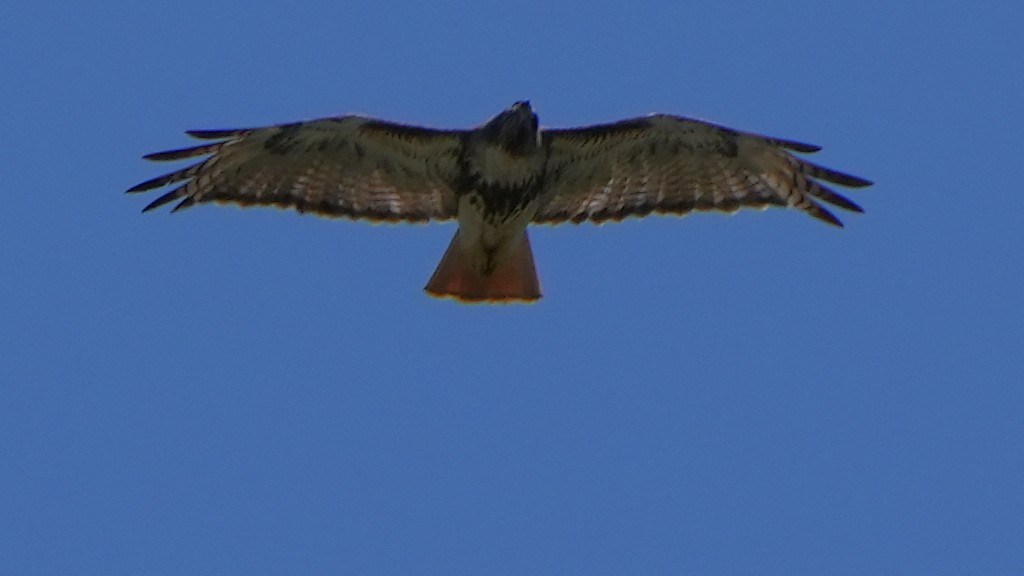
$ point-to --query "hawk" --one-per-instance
(499, 178)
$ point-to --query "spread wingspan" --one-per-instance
(497, 179)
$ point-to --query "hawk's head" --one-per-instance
(516, 129)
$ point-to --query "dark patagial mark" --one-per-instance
(330, 144)
(728, 146)
(284, 141)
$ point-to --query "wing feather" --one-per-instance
(347, 166)
(217, 134)
(184, 152)
(673, 165)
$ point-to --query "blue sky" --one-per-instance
(229, 391)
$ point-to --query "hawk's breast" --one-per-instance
(497, 200)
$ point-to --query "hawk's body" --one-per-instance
(498, 179)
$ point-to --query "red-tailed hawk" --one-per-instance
(499, 178)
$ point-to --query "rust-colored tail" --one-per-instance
(514, 280)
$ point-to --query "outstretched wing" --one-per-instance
(347, 166)
(672, 165)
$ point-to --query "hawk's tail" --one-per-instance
(514, 280)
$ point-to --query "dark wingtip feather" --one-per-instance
(169, 197)
(159, 181)
(821, 213)
(848, 180)
(796, 146)
(152, 183)
(181, 153)
(214, 134)
(845, 203)
(186, 203)
(832, 197)
(833, 176)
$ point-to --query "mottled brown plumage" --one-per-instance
(498, 178)
(348, 166)
(672, 165)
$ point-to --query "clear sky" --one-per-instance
(227, 391)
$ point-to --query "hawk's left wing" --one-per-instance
(668, 164)
(347, 166)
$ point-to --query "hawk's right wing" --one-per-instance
(347, 166)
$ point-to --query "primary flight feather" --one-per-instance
(497, 179)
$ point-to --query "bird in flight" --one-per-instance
(497, 179)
